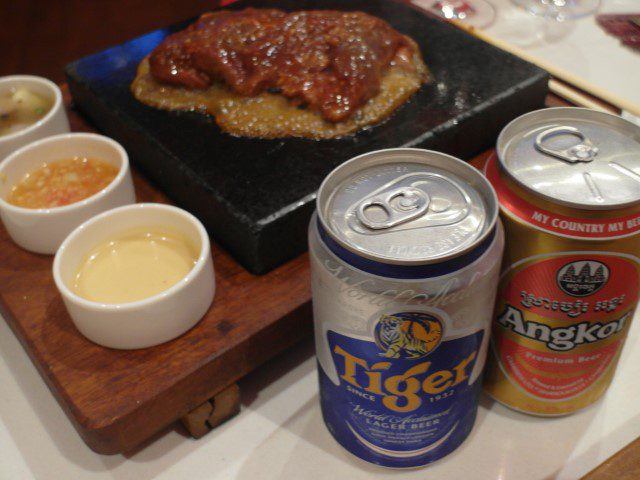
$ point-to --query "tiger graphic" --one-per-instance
(400, 341)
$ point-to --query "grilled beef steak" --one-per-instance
(330, 61)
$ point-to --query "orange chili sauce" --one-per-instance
(62, 182)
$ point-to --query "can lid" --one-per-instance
(407, 206)
(574, 156)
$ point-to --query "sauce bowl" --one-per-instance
(152, 320)
(42, 230)
(53, 123)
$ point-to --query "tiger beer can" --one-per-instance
(405, 249)
(568, 183)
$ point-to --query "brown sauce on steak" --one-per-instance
(329, 61)
(269, 74)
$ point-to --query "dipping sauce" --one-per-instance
(62, 182)
(135, 265)
(19, 108)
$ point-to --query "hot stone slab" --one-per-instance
(255, 196)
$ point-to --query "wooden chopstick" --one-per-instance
(579, 98)
(569, 79)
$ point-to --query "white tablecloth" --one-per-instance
(580, 47)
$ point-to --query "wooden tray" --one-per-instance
(117, 399)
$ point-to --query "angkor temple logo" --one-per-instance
(582, 278)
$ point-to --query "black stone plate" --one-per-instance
(256, 196)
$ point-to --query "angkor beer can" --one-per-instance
(405, 252)
(568, 182)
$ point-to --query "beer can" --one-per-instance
(568, 183)
(405, 249)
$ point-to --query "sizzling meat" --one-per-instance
(331, 61)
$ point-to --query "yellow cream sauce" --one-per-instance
(135, 265)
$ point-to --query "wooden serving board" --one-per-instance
(116, 399)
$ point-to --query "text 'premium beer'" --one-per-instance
(568, 182)
(405, 251)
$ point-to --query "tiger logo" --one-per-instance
(408, 334)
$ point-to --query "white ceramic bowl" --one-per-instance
(146, 322)
(43, 230)
(53, 123)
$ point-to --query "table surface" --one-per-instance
(280, 433)
(580, 47)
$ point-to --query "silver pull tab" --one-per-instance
(584, 151)
(400, 205)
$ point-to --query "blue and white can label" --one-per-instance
(405, 397)
(405, 253)
(400, 360)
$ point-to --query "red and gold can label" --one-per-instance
(553, 222)
(560, 324)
